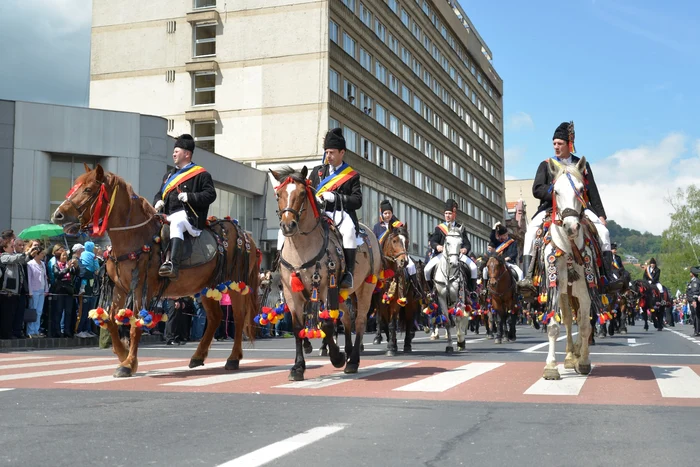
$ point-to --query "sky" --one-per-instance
(625, 71)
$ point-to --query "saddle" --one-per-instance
(196, 251)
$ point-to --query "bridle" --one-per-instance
(297, 213)
(558, 217)
(395, 258)
(493, 281)
(93, 205)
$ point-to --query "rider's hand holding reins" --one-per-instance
(159, 205)
(439, 248)
(328, 196)
(182, 197)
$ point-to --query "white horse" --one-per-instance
(448, 281)
(572, 266)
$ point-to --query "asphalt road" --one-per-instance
(484, 406)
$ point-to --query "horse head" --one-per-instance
(453, 243)
(84, 200)
(395, 245)
(568, 198)
(294, 196)
(495, 267)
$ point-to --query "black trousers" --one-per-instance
(175, 327)
(18, 321)
(9, 304)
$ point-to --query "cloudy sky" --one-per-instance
(625, 71)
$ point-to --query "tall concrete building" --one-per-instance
(260, 81)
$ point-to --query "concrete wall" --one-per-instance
(7, 138)
(522, 189)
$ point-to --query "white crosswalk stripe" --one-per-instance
(570, 384)
(16, 359)
(218, 379)
(69, 371)
(677, 381)
(448, 379)
(17, 366)
(340, 378)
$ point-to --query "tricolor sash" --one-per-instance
(615, 263)
(395, 224)
(181, 176)
(444, 228)
(333, 182)
(501, 248)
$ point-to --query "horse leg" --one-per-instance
(214, 314)
(513, 321)
(129, 366)
(239, 315)
(336, 357)
(113, 328)
(363, 299)
(645, 316)
(550, 369)
(391, 346)
(567, 315)
(583, 362)
(410, 332)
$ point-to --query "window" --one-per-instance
(417, 104)
(380, 30)
(365, 60)
(350, 4)
(204, 40)
(203, 133)
(394, 124)
(236, 205)
(406, 133)
(393, 5)
(405, 94)
(380, 114)
(350, 92)
(349, 44)
(380, 71)
(419, 180)
(365, 15)
(394, 166)
(334, 81)
(393, 44)
(407, 173)
(393, 84)
(367, 148)
(366, 103)
(381, 157)
(204, 4)
(405, 18)
(64, 171)
(333, 31)
(204, 88)
(405, 56)
(350, 139)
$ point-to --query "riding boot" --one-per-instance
(347, 282)
(525, 287)
(614, 284)
(471, 284)
(171, 268)
(416, 286)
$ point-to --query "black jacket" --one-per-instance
(350, 193)
(200, 194)
(617, 263)
(693, 289)
(379, 228)
(438, 238)
(543, 181)
(654, 277)
(511, 252)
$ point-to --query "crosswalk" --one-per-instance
(395, 379)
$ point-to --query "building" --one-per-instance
(517, 190)
(410, 82)
(45, 146)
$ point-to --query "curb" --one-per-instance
(63, 342)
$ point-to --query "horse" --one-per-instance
(102, 200)
(450, 284)
(652, 303)
(392, 298)
(311, 266)
(568, 263)
(501, 288)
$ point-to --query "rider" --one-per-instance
(653, 274)
(563, 142)
(505, 247)
(185, 196)
(338, 190)
(437, 240)
(692, 292)
(617, 264)
(382, 227)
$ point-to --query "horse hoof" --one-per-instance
(433, 338)
(624, 331)
(489, 336)
(569, 363)
(339, 360)
(296, 374)
(195, 362)
(323, 352)
(362, 347)
(351, 368)
(426, 329)
(407, 349)
(391, 353)
(232, 364)
(477, 332)
(122, 372)
(461, 346)
(583, 369)
(449, 349)
(498, 340)
(377, 340)
(551, 374)
(308, 348)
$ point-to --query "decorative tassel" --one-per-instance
(297, 284)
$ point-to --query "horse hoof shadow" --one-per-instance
(323, 352)
(339, 360)
(195, 362)
(551, 374)
(232, 364)
(449, 349)
(122, 372)
(308, 348)
(351, 368)
(296, 374)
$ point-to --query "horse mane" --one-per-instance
(287, 171)
(115, 179)
(570, 169)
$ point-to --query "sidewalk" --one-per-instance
(62, 343)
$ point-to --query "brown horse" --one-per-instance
(311, 264)
(104, 199)
(394, 295)
(501, 289)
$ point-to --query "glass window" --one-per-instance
(367, 148)
(394, 166)
(417, 104)
(393, 5)
(64, 171)
(405, 94)
(204, 86)
(365, 15)
(334, 81)
(407, 173)
(381, 157)
(204, 40)
(349, 44)
(380, 114)
(203, 133)
(393, 44)
(393, 84)
(350, 4)
(380, 30)
(365, 60)
(366, 103)
(394, 124)
(380, 71)
(204, 4)
(350, 139)
(333, 31)
(406, 133)
(350, 92)
(405, 18)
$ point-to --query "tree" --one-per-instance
(681, 240)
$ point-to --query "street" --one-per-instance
(484, 406)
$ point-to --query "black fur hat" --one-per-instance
(334, 139)
(185, 142)
(652, 261)
(501, 229)
(450, 204)
(385, 206)
(695, 270)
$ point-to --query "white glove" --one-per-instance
(159, 205)
(319, 200)
(328, 196)
(182, 197)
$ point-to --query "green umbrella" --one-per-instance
(37, 232)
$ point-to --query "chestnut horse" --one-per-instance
(103, 199)
(312, 254)
(501, 289)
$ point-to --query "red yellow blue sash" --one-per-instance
(180, 177)
(333, 182)
(396, 224)
(444, 228)
(501, 248)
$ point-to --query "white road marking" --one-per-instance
(677, 381)
(14, 359)
(218, 379)
(340, 378)
(6, 389)
(281, 448)
(69, 371)
(570, 384)
(685, 336)
(545, 344)
(54, 362)
(634, 354)
(631, 341)
(447, 380)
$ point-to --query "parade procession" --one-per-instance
(330, 232)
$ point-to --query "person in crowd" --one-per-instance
(225, 329)
(18, 321)
(175, 326)
(11, 287)
(38, 288)
(199, 321)
(62, 320)
(88, 268)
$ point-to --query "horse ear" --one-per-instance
(304, 171)
(100, 175)
(87, 168)
(581, 164)
(275, 174)
(553, 167)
